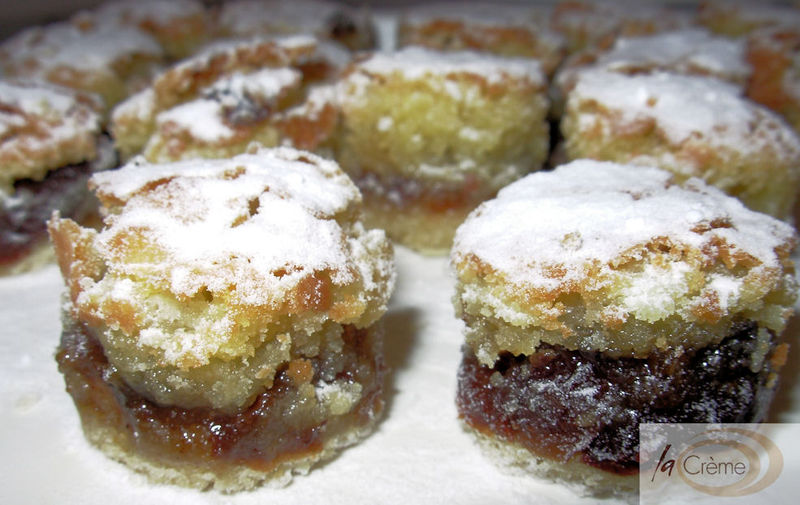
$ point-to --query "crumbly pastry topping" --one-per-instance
(179, 26)
(601, 256)
(209, 274)
(187, 78)
(588, 23)
(417, 62)
(690, 51)
(486, 15)
(735, 18)
(44, 127)
(214, 103)
(692, 126)
(685, 51)
(239, 98)
(40, 50)
(684, 107)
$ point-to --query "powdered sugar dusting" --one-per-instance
(588, 212)
(238, 98)
(235, 221)
(36, 118)
(201, 118)
(49, 103)
(416, 63)
(65, 44)
(683, 106)
(684, 51)
(265, 84)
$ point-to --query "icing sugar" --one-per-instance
(64, 44)
(36, 118)
(417, 62)
(683, 106)
(201, 118)
(317, 99)
(232, 99)
(238, 221)
(680, 50)
(203, 59)
(589, 212)
(36, 100)
(140, 106)
(265, 84)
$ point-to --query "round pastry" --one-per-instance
(329, 20)
(691, 126)
(222, 328)
(735, 18)
(589, 24)
(427, 135)
(775, 83)
(110, 61)
(599, 296)
(688, 52)
(502, 29)
(230, 94)
(50, 143)
(179, 26)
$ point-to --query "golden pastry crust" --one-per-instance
(728, 141)
(505, 30)
(317, 406)
(620, 259)
(179, 26)
(776, 71)
(574, 473)
(439, 132)
(690, 51)
(198, 86)
(123, 58)
(209, 275)
(50, 143)
(587, 25)
(44, 127)
(736, 18)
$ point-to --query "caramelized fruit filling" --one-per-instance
(24, 215)
(559, 403)
(400, 192)
(284, 423)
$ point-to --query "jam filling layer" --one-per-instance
(397, 192)
(271, 431)
(24, 215)
(559, 403)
